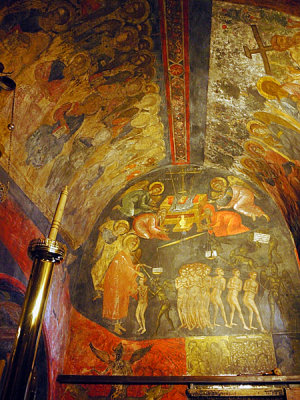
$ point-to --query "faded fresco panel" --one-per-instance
(230, 355)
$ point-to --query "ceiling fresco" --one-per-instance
(253, 106)
(175, 125)
(106, 93)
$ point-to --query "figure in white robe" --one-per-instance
(242, 199)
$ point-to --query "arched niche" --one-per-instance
(180, 235)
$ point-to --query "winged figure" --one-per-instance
(118, 366)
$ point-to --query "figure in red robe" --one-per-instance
(223, 223)
(148, 225)
(120, 283)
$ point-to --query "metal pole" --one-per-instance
(44, 253)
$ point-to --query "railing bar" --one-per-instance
(179, 380)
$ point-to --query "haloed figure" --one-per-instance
(120, 283)
(250, 291)
(142, 304)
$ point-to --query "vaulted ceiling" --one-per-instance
(109, 91)
(191, 106)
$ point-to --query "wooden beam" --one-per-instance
(179, 380)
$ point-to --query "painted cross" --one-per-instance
(262, 50)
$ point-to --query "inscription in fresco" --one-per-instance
(219, 355)
(261, 237)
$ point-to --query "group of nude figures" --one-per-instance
(196, 289)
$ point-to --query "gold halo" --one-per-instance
(162, 186)
(121, 222)
(149, 100)
(130, 237)
(55, 5)
(248, 147)
(262, 91)
(142, 120)
(244, 160)
(84, 64)
(139, 13)
(218, 181)
(259, 124)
